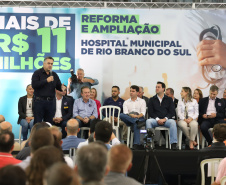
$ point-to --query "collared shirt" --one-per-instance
(76, 87)
(160, 99)
(118, 103)
(211, 107)
(58, 113)
(6, 159)
(83, 109)
(192, 109)
(139, 106)
(41, 87)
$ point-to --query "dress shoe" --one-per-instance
(174, 146)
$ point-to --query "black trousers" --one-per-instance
(43, 111)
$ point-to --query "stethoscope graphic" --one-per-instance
(212, 73)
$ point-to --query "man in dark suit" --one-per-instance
(72, 141)
(62, 107)
(211, 112)
(25, 111)
(224, 99)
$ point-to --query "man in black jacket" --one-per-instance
(162, 112)
(62, 108)
(211, 112)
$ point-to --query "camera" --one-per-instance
(148, 139)
(73, 76)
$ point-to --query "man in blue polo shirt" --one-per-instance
(71, 141)
(115, 100)
(85, 109)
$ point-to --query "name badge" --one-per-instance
(65, 107)
(219, 104)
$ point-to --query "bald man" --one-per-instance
(72, 129)
(5, 126)
(119, 161)
(2, 118)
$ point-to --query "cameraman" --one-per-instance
(75, 84)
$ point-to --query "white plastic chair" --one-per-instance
(167, 136)
(109, 111)
(72, 154)
(212, 165)
(180, 137)
(130, 138)
(223, 180)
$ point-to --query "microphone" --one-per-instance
(51, 72)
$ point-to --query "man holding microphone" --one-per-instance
(44, 82)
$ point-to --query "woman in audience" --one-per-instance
(188, 112)
(42, 159)
(93, 96)
(25, 110)
(197, 95)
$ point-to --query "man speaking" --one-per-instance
(44, 82)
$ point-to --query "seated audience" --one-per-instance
(219, 136)
(72, 141)
(103, 132)
(119, 161)
(57, 134)
(62, 111)
(6, 126)
(115, 100)
(12, 175)
(85, 109)
(188, 112)
(42, 159)
(162, 112)
(42, 137)
(60, 174)
(25, 111)
(211, 112)
(141, 95)
(93, 96)
(197, 95)
(134, 110)
(25, 152)
(92, 164)
(170, 93)
(6, 147)
(2, 118)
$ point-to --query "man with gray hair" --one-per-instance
(170, 93)
(141, 95)
(44, 83)
(72, 141)
(74, 88)
(92, 164)
(2, 118)
(211, 112)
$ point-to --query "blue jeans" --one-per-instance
(25, 126)
(170, 123)
(129, 121)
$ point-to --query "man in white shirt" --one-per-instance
(63, 107)
(134, 110)
(211, 112)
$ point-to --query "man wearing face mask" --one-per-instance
(44, 82)
(211, 112)
(74, 89)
